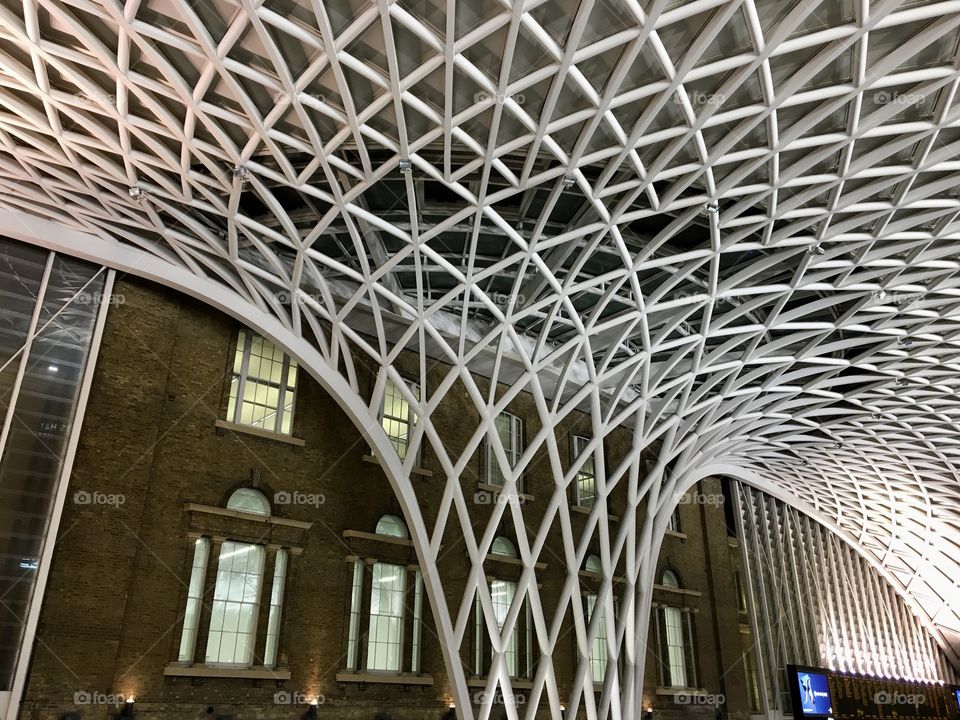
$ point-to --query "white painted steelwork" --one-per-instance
(729, 225)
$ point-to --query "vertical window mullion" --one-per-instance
(242, 380)
(191, 617)
(478, 634)
(276, 607)
(281, 395)
(691, 652)
(417, 620)
(528, 626)
(356, 598)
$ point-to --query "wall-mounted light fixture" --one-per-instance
(127, 711)
(311, 713)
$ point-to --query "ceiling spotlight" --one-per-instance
(569, 181)
(712, 207)
(405, 165)
(905, 341)
(881, 294)
(241, 173)
(817, 249)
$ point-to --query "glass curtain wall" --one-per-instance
(48, 311)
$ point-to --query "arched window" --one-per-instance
(502, 546)
(675, 639)
(376, 639)
(392, 526)
(593, 564)
(249, 500)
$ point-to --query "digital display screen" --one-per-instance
(814, 693)
(956, 695)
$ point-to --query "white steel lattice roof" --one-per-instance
(732, 226)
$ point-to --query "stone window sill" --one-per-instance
(212, 671)
(389, 539)
(674, 533)
(257, 432)
(678, 591)
(479, 682)
(423, 472)
(497, 489)
(384, 678)
(240, 515)
(681, 691)
(587, 510)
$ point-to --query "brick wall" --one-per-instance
(113, 614)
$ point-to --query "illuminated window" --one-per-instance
(674, 523)
(236, 599)
(263, 386)
(378, 646)
(397, 416)
(586, 487)
(517, 655)
(391, 525)
(237, 590)
(675, 636)
(509, 429)
(250, 501)
(386, 617)
(598, 648)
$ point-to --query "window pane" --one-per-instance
(675, 660)
(509, 429)
(261, 390)
(397, 416)
(235, 601)
(598, 648)
(386, 617)
(501, 594)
